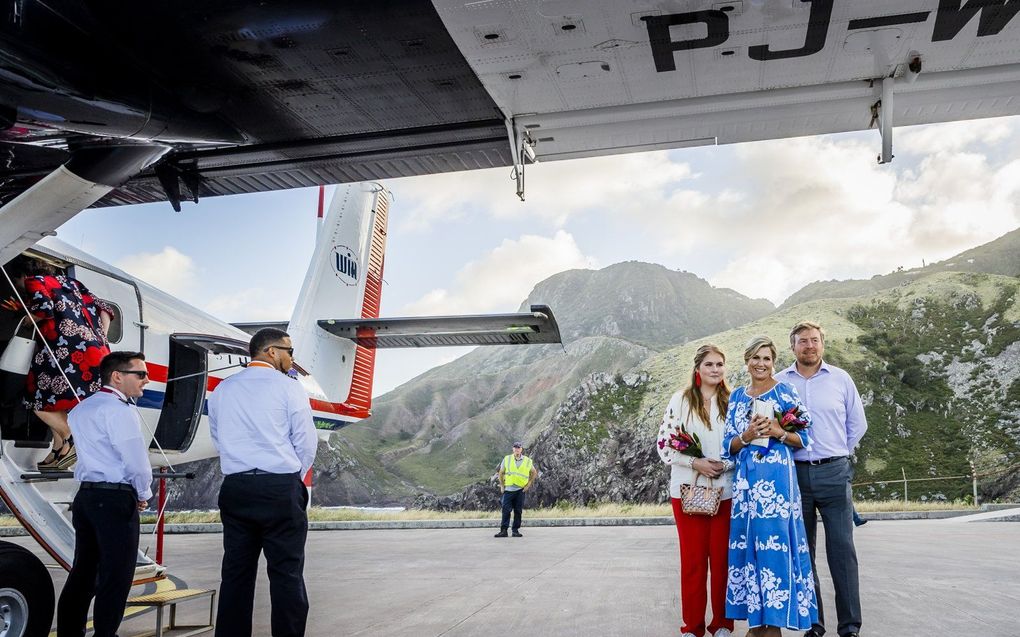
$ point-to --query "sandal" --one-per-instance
(62, 459)
(49, 459)
(67, 459)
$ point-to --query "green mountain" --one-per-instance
(450, 426)
(995, 257)
(643, 303)
(937, 362)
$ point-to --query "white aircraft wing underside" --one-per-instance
(599, 77)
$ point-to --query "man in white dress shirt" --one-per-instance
(115, 484)
(261, 424)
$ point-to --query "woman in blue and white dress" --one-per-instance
(770, 583)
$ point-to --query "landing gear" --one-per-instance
(26, 593)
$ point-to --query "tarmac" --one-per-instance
(918, 577)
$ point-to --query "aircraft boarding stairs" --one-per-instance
(42, 501)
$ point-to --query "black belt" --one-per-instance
(111, 486)
(254, 472)
(822, 461)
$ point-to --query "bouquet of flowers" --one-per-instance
(792, 419)
(682, 441)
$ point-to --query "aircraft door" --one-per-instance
(126, 329)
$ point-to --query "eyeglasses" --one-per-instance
(141, 373)
(289, 350)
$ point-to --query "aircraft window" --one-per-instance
(116, 332)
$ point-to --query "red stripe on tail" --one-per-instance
(359, 401)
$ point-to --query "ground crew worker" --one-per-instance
(516, 474)
(115, 485)
(261, 424)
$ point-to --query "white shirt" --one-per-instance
(108, 439)
(261, 419)
(680, 471)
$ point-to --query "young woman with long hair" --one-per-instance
(700, 409)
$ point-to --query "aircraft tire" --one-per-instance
(26, 593)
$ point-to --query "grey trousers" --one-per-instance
(825, 489)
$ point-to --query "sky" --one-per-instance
(762, 218)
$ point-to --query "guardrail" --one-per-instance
(973, 477)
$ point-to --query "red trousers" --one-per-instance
(704, 544)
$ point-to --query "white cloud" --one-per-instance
(249, 304)
(504, 277)
(555, 192)
(952, 136)
(169, 270)
(822, 208)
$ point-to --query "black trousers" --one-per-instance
(512, 501)
(263, 513)
(105, 551)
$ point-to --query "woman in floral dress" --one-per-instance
(74, 324)
(770, 583)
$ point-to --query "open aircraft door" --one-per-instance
(182, 403)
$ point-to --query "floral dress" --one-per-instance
(770, 582)
(68, 318)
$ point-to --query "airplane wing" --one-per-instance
(525, 328)
(263, 96)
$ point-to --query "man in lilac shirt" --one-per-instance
(823, 470)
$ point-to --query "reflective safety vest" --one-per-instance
(516, 474)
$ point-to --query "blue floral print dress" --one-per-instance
(770, 582)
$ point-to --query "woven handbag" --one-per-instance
(698, 499)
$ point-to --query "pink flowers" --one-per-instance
(684, 443)
(792, 420)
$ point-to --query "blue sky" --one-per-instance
(763, 218)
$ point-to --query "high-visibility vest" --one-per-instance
(516, 475)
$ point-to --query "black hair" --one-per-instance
(264, 338)
(116, 362)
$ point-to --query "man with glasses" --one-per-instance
(261, 424)
(115, 485)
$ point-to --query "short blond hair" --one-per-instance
(805, 325)
(757, 343)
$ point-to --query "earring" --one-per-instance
(697, 378)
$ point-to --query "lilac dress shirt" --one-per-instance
(837, 414)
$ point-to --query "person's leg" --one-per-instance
(718, 560)
(808, 504)
(76, 596)
(284, 546)
(832, 497)
(57, 422)
(242, 543)
(61, 431)
(518, 510)
(693, 531)
(116, 521)
(507, 505)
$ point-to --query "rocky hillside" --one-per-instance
(643, 303)
(937, 362)
(450, 426)
(996, 257)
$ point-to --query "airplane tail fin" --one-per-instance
(344, 278)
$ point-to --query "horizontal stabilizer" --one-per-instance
(526, 328)
(251, 328)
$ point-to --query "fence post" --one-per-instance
(976, 503)
(903, 471)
